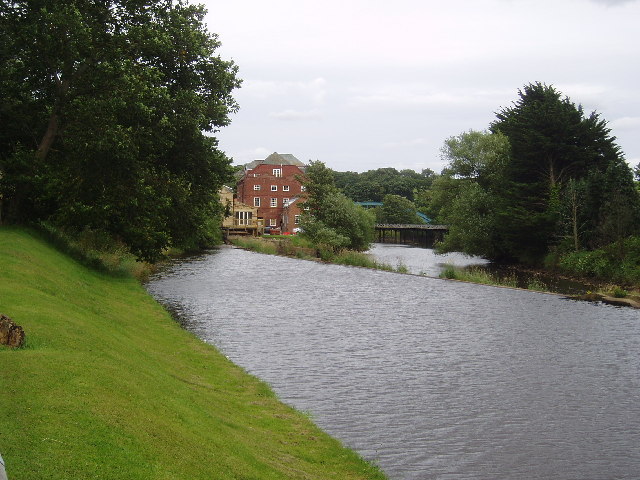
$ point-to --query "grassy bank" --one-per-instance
(300, 247)
(110, 387)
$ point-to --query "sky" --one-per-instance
(367, 84)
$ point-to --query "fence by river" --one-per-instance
(428, 378)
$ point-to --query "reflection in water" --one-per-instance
(429, 378)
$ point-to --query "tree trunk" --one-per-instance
(49, 136)
(574, 215)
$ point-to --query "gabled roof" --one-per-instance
(276, 159)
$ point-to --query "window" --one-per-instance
(256, 201)
(274, 188)
(256, 187)
(285, 202)
(272, 222)
(285, 188)
(243, 218)
(274, 202)
(302, 188)
(296, 219)
(277, 172)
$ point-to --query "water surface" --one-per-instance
(430, 379)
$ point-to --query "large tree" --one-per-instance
(105, 105)
(468, 195)
(552, 142)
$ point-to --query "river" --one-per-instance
(428, 378)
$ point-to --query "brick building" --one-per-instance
(270, 185)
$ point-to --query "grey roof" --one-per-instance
(276, 159)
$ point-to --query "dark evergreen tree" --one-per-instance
(552, 142)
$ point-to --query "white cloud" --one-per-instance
(416, 142)
(294, 115)
(625, 123)
(392, 74)
(419, 96)
(312, 90)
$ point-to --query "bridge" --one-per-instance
(422, 235)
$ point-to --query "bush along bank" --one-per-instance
(108, 386)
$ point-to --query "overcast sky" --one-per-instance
(365, 84)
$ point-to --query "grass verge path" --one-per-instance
(110, 387)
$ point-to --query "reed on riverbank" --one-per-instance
(477, 275)
(300, 247)
(108, 386)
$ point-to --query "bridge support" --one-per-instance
(421, 235)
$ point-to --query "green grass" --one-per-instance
(479, 275)
(110, 387)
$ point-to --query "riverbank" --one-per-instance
(299, 247)
(108, 386)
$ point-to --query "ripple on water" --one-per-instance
(431, 379)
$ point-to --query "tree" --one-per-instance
(397, 210)
(552, 142)
(373, 185)
(107, 103)
(330, 217)
(468, 195)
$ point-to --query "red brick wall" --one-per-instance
(263, 176)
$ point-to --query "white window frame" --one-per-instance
(274, 202)
(273, 222)
(256, 201)
(285, 202)
(277, 172)
(274, 188)
(244, 218)
(285, 188)
(296, 219)
(256, 187)
(302, 188)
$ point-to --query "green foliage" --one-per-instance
(619, 292)
(106, 107)
(96, 250)
(374, 185)
(255, 244)
(553, 142)
(466, 196)
(480, 275)
(331, 219)
(548, 178)
(397, 210)
(617, 262)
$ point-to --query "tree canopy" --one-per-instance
(397, 210)
(104, 109)
(330, 218)
(373, 185)
(546, 176)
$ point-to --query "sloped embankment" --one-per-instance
(108, 386)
